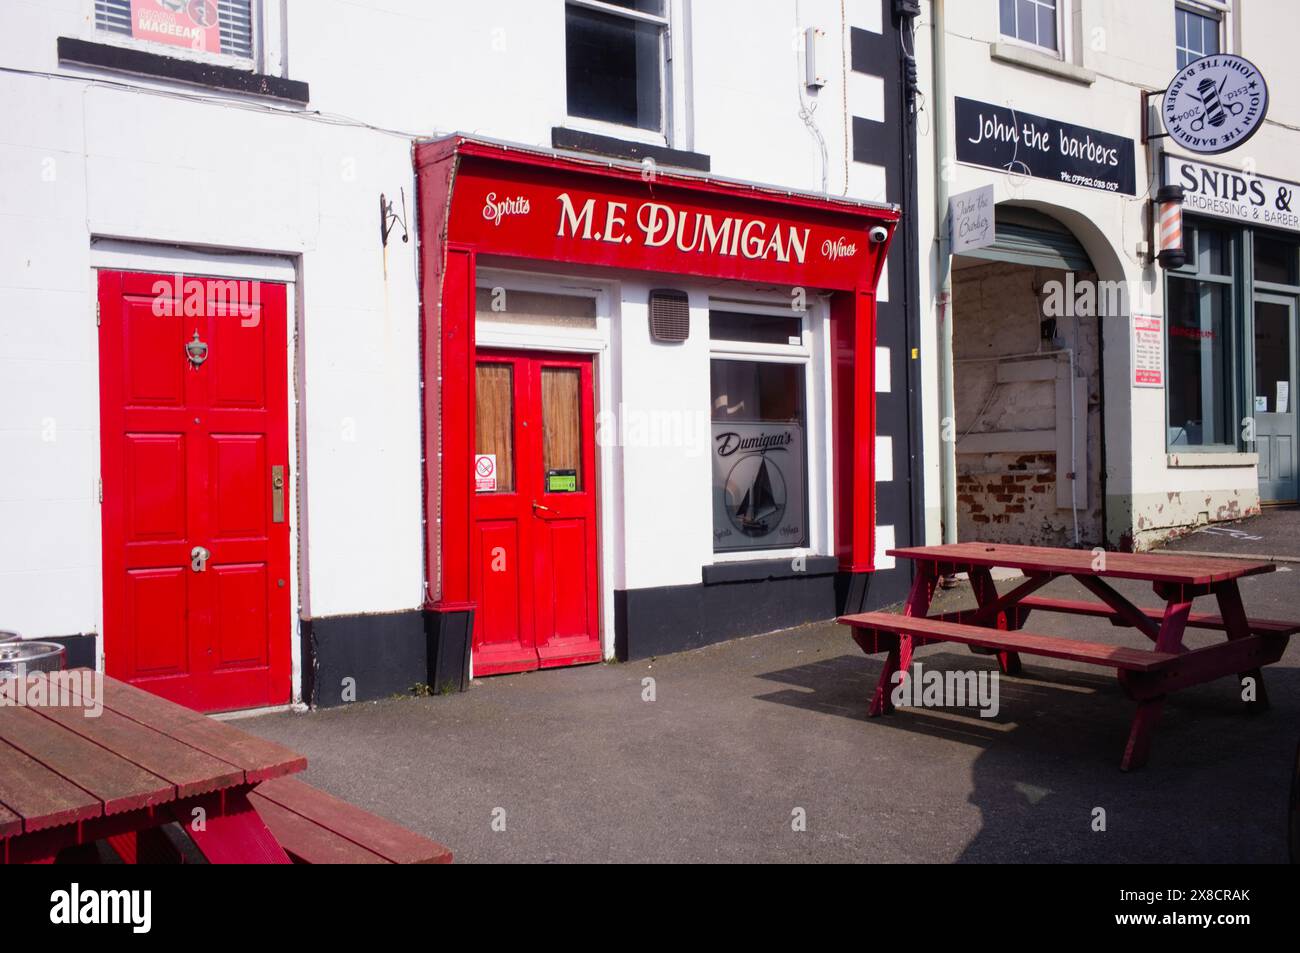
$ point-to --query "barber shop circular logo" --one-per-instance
(1215, 103)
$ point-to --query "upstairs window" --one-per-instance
(1196, 32)
(616, 52)
(221, 27)
(1035, 22)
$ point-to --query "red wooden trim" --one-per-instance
(853, 428)
(458, 422)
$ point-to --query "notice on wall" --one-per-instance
(189, 23)
(1148, 351)
(485, 473)
(1283, 396)
(970, 219)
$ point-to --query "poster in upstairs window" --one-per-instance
(193, 24)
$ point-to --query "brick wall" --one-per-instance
(1011, 496)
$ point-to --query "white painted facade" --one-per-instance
(107, 169)
(1111, 51)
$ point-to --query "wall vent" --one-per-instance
(670, 315)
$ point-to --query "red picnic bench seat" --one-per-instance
(926, 630)
(317, 828)
(1195, 620)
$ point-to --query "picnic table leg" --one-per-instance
(1139, 735)
(1169, 639)
(899, 658)
(986, 593)
(1238, 627)
(234, 833)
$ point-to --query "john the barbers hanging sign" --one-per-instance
(1215, 103)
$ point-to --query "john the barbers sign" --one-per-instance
(999, 137)
(1235, 195)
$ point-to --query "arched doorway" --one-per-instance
(1028, 384)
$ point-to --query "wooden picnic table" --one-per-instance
(69, 779)
(1146, 674)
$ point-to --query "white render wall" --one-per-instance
(1127, 47)
(91, 154)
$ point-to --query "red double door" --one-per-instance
(195, 466)
(534, 539)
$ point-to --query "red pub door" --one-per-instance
(533, 559)
(194, 424)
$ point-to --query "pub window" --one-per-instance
(1197, 30)
(759, 431)
(615, 54)
(1035, 22)
(224, 27)
(1200, 313)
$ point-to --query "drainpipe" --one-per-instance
(943, 276)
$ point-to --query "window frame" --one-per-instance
(813, 355)
(1218, 10)
(1235, 326)
(1063, 32)
(266, 17)
(673, 108)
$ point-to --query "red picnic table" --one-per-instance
(1147, 675)
(85, 758)
(71, 777)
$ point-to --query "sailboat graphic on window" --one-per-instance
(759, 504)
(760, 486)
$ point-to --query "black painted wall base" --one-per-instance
(649, 622)
(82, 649)
(368, 657)
(362, 657)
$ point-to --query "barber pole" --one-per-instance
(1169, 226)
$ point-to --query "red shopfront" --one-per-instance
(513, 543)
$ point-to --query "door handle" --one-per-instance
(277, 494)
(539, 508)
(199, 557)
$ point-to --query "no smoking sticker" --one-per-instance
(485, 472)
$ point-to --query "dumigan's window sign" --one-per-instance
(1232, 194)
(1215, 103)
(998, 137)
(758, 486)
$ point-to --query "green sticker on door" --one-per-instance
(561, 481)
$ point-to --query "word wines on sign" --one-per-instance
(998, 137)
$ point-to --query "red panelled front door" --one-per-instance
(194, 423)
(533, 556)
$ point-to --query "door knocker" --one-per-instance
(196, 350)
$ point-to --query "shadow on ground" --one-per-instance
(744, 738)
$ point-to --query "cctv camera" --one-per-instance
(879, 234)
